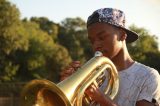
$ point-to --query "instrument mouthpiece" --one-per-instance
(98, 53)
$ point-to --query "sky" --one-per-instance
(142, 13)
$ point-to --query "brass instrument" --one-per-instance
(70, 92)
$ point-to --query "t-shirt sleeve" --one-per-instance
(151, 88)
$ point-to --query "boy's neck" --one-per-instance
(123, 60)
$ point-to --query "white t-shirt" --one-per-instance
(138, 82)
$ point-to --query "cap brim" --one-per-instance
(131, 36)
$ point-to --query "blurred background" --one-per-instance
(38, 38)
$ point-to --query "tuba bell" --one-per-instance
(70, 92)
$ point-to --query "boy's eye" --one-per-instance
(101, 37)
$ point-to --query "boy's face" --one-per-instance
(105, 38)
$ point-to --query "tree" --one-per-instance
(46, 25)
(43, 58)
(145, 49)
(32, 62)
(72, 33)
(11, 39)
(60, 59)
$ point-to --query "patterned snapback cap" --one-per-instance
(113, 17)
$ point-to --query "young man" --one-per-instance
(139, 84)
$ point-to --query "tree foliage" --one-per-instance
(48, 26)
(43, 58)
(73, 35)
(11, 39)
(145, 49)
(28, 49)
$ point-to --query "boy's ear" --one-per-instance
(123, 35)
